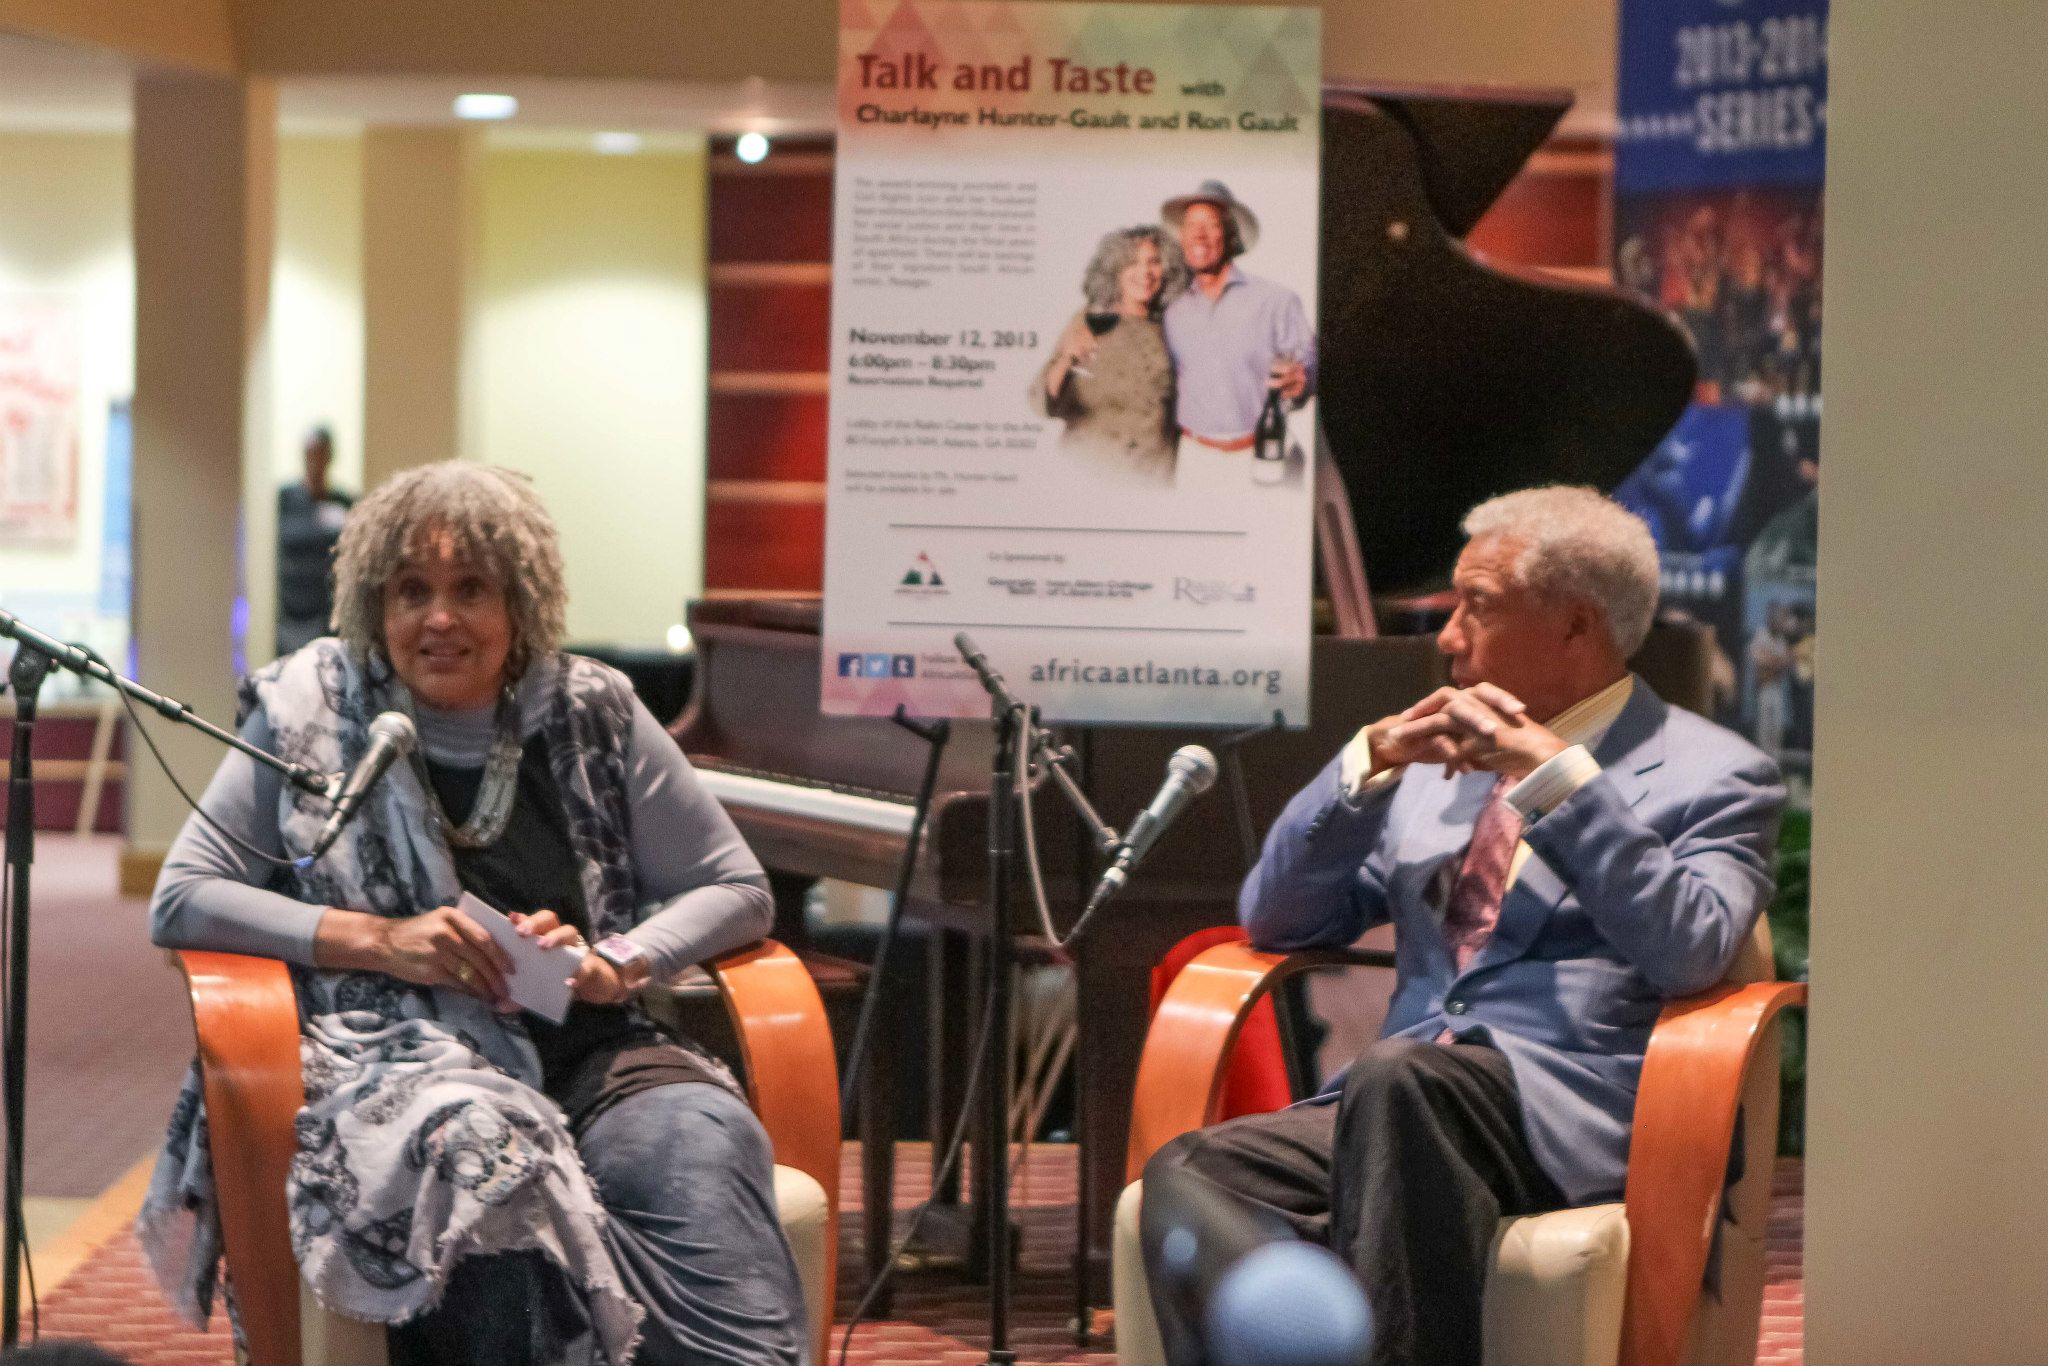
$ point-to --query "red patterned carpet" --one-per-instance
(939, 1319)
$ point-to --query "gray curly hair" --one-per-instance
(498, 523)
(1099, 284)
(1577, 543)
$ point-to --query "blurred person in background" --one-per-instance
(310, 514)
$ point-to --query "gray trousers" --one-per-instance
(686, 1175)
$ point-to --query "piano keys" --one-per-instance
(767, 795)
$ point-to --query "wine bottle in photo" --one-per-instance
(1269, 438)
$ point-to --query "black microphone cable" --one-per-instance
(135, 720)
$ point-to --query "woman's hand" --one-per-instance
(595, 980)
(599, 983)
(1074, 349)
(1077, 344)
(441, 947)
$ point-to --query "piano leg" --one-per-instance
(792, 893)
(878, 1162)
(952, 973)
(948, 1234)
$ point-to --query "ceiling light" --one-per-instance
(616, 144)
(477, 105)
(751, 148)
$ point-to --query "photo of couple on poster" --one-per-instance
(1181, 367)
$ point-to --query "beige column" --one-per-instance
(418, 224)
(205, 161)
(1927, 1158)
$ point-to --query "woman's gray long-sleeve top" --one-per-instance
(707, 892)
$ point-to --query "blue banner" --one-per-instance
(1721, 93)
(1720, 154)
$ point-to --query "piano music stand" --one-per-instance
(1240, 793)
(1337, 552)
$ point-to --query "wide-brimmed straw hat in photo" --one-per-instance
(1217, 193)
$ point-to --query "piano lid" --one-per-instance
(1446, 379)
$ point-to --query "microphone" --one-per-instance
(391, 738)
(1189, 773)
(1289, 1304)
(1258, 1294)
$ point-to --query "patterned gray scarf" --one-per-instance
(425, 1137)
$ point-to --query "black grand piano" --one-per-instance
(1445, 380)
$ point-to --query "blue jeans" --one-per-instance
(686, 1175)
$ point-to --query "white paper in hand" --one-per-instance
(539, 980)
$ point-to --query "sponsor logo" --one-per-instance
(877, 664)
(922, 576)
(1203, 592)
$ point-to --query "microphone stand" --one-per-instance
(992, 1150)
(35, 655)
(26, 675)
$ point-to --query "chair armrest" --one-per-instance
(1685, 1114)
(246, 1018)
(792, 1076)
(1181, 1071)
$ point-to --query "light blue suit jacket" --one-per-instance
(1641, 886)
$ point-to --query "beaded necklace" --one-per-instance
(492, 810)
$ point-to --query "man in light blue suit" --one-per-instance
(1560, 853)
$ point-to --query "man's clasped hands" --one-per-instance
(1464, 729)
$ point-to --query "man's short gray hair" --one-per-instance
(498, 523)
(1577, 543)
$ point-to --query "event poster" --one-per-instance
(39, 383)
(1073, 359)
(1719, 161)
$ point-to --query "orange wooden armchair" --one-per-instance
(247, 1021)
(1609, 1284)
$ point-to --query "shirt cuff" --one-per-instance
(1553, 780)
(1354, 764)
(1381, 781)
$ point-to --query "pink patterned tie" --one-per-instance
(1474, 903)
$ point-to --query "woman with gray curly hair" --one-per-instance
(497, 1187)
(1110, 379)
